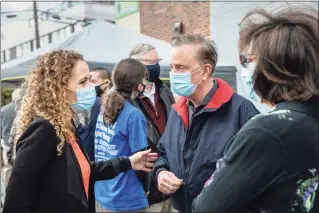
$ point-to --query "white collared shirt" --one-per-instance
(151, 94)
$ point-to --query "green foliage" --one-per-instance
(6, 95)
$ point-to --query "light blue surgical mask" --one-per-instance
(85, 99)
(181, 83)
(248, 83)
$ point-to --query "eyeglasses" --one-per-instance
(245, 59)
(150, 62)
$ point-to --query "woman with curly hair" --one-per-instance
(51, 171)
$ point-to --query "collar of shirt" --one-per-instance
(151, 94)
(206, 99)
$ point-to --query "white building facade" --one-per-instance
(57, 22)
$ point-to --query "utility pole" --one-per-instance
(36, 24)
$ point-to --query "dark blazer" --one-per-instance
(41, 181)
(153, 135)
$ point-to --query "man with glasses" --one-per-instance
(155, 103)
(201, 123)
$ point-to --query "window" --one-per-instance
(31, 45)
(34, 44)
(12, 53)
(27, 47)
(19, 50)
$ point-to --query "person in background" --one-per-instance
(101, 79)
(248, 65)
(8, 113)
(155, 103)
(272, 164)
(199, 128)
(86, 122)
(121, 131)
(51, 172)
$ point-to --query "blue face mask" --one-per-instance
(85, 99)
(154, 72)
(181, 83)
(248, 83)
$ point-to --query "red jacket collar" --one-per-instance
(222, 95)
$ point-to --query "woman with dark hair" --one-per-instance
(272, 164)
(121, 131)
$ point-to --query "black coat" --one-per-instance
(41, 181)
(271, 165)
(153, 135)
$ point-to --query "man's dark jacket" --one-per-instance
(153, 135)
(206, 138)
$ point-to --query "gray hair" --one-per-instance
(17, 95)
(140, 49)
(207, 54)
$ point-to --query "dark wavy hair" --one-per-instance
(286, 46)
(126, 77)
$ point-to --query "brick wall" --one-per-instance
(158, 18)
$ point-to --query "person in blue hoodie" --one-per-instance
(121, 131)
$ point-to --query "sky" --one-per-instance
(14, 5)
(22, 5)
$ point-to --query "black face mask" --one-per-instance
(98, 90)
(154, 72)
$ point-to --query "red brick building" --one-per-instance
(157, 18)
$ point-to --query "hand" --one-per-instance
(168, 183)
(143, 160)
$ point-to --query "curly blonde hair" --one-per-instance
(46, 95)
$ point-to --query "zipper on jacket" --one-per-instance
(185, 167)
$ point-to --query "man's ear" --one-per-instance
(207, 71)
